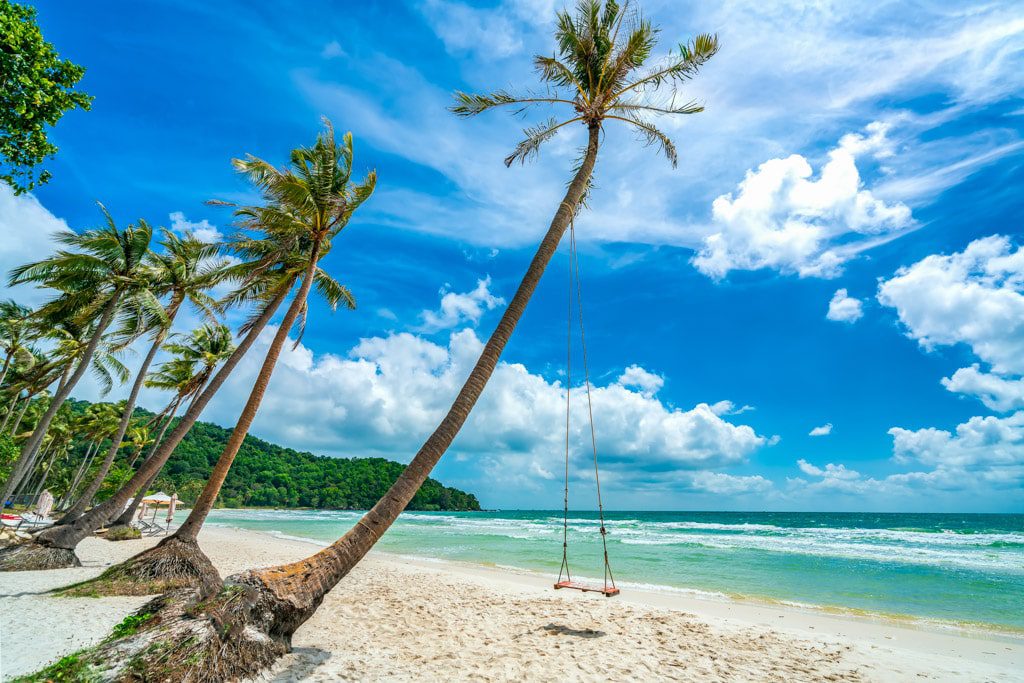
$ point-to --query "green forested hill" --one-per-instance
(265, 474)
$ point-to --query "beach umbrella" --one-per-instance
(160, 498)
(171, 507)
(45, 503)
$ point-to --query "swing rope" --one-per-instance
(574, 278)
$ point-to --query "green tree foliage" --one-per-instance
(36, 89)
(268, 475)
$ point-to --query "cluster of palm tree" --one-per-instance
(236, 627)
(115, 289)
(111, 288)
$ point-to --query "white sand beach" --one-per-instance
(399, 619)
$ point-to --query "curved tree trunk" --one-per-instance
(66, 537)
(240, 630)
(7, 364)
(10, 411)
(177, 560)
(21, 414)
(90, 453)
(46, 475)
(204, 503)
(126, 417)
(30, 447)
(26, 482)
(129, 512)
(297, 589)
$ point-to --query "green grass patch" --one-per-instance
(75, 667)
(130, 625)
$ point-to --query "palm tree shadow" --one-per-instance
(304, 660)
(562, 630)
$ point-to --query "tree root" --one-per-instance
(122, 532)
(192, 636)
(31, 556)
(173, 564)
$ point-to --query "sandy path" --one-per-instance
(397, 619)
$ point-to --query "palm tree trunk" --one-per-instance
(10, 411)
(204, 503)
(7, 364)
(39, 432)
(298, 588)
(126, 416)
(90, 453)
(129, 512)
(21, 414)
(69, 535)
(26, 483)
(46, 475)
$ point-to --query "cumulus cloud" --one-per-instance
(830, 471)
(202, 230)
(823, 430)
(647, 382)
(730, 408)
(388, 393)
(843, 308)
(780, 217)
(973, 297)
(27, 228)
(457, 308)
(980, 442)
(997, 393)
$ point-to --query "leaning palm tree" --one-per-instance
(71, 341)
(307, 204)
(249, 623)
(187, 374)
(15, 335)
(184, 272)
(98, 425)
(269, 267)
(101, 269)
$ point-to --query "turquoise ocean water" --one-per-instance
(949, 567)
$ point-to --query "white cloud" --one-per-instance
(729, 484)
(996, 392)
(647, 382)
(974, 297)
(388, 393)
(781, 218)
(457, 309)
(979, 442)
(844, 308)
(203, 230)
(966, 55)
(830, 471)
(27, 230)
(823, 430)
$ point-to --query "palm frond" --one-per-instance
(529, 146)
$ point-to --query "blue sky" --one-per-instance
(840, 245)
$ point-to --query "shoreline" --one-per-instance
(400, 618)
(656, 593)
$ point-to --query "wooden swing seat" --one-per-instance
(606, 591)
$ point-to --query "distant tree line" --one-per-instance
(268, 475)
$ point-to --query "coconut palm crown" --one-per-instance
(601, 73)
